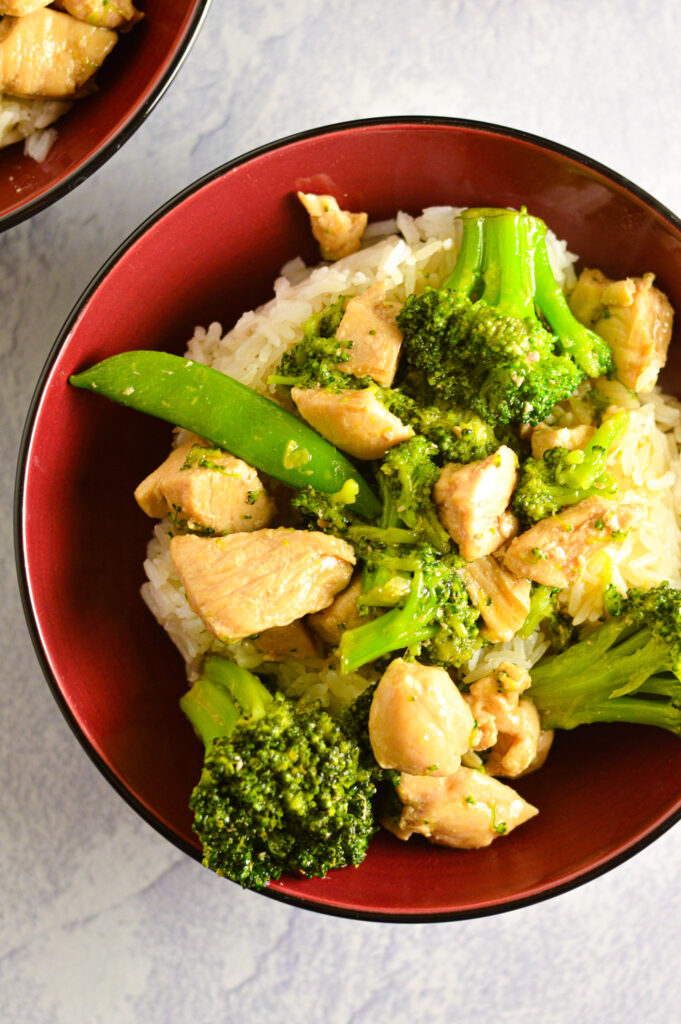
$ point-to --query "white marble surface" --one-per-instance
(101, 920)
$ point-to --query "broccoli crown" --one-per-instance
(284, 792)
(627, 670)
(502, 367)
(563, 477)
(410, 474)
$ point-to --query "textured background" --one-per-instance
(101, 920)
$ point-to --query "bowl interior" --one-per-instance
(209, 257)
(129, 82)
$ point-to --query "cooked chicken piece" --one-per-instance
(418, 721)
(352, 420)
(120, 14)
(249, 582)
(50, 54)
(545, 437)
(338, 232)
(282, 642)
(502, 599)
(341, 614)
(506, 723)
(544, 744)
(206, 489)
(471, 501)
(20, 8)
(467, 809)
(370, 336)
(633, 317)
(555, 551)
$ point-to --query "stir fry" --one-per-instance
(441, 503)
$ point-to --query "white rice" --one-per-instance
(407, 254)
(29, 119)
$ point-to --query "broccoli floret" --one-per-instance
(544, 612)
(282, 787)
(563, 477)
(459, 434)
(479, 341)
(627, 670)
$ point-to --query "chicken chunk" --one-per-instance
(20, 8)
(282, 642)
(545, 437)
(206, 489)
(121, 14)
(338, 232)
(633, 317)
(418, 722)
(341, 614)
(249, 582)
(471, 501)
(370, 336)
(555, 551)
(50, 54)
(466, 810)
(507, 724)
(352, 420)
(502, 599)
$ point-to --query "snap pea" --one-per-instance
(229, 415)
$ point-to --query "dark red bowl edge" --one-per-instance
(89, 166)
(145, 813)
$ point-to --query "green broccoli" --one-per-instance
(544, 612)
(479, 340)
(316, 360)
(627, 670)
(459, 434)
(561, 477)
(282, 787)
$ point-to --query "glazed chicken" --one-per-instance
(467, 810)
(507, 723)
(206, 489)
(50, 54)
(292, 641)
(502, 598)
(419, 722)
(545, 437)
(555, 551)
(245, 583)
(354, 421)
(120, 14)
(338, 232)
(341, 614)
(20, 8)
(370, 337)
(472, 501)
(633, 317)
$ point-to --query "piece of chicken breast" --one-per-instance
(502, 598)
(50, 54)
(246, 583)
(354, 421)
(338, 232)
(467, 810)
(120, 14)
(633, 317)
(472, 501)
(207, 489)
(555, 551)
(418, 721)
(370, 337)
(507, 723)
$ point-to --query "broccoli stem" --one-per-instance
(396, 629)
(541, 606)
(588, 350)
(225, 694)
(465, 277)
(507, 265)
(581, 469)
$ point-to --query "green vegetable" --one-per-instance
(563, 477)
(627, 670)
(229, 415)
(479, 341)
(283, 788)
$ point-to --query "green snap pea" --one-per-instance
(230, 416)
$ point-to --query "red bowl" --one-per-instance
(130, 82)
(209, 254)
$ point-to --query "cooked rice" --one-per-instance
(407, 254)
(29, 119)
